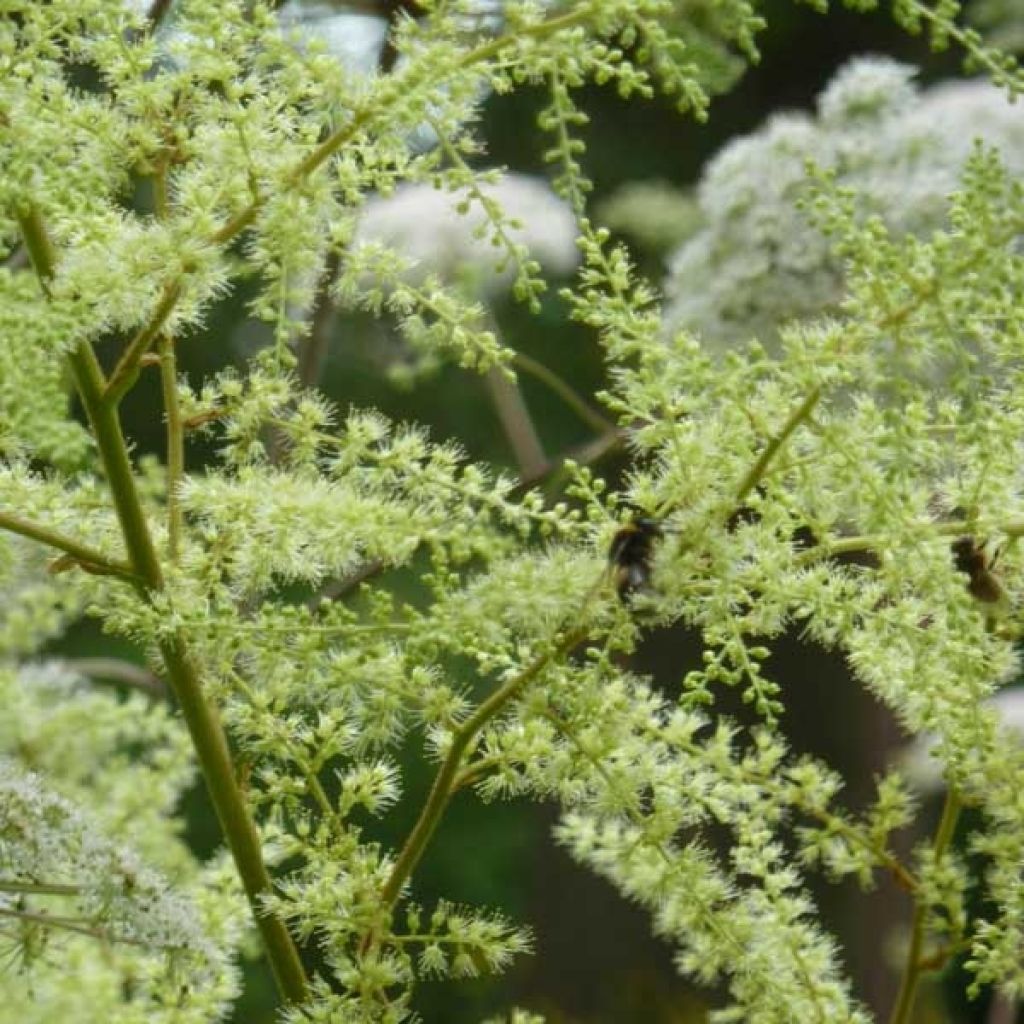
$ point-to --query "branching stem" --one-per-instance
(200, 715)
(127, 367)
(915, 964)
(89, 558)
(759, 468)
(447, 775)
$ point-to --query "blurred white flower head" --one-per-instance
(758, 261)
(425, 225)
(923, 768)
(353, 38)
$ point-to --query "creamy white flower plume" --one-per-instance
(426, 226)
(759, 261)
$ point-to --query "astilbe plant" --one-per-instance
(890, 430)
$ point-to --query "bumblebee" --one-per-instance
(629, 555)
(971, 558)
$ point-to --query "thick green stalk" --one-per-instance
(106, 428)
(200, 716)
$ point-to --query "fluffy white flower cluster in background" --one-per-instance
(66, 886)
(95, 877)
(759, 260)
(353, 37)
(435, 257)
(48, 842)
(78, 737)
(450, 234)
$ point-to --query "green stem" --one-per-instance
(37, 244)
(175, 444)
(977, 54)
(891, 864)
(915, 965)
(39, 888)
(758, 469)
(201, 717)
(473, 772)
(89, 558)
(160, 195)
(106, 428)
(568, 394)
(875, 541)
(444, 781)
(127, 367)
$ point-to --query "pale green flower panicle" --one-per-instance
(337, 604)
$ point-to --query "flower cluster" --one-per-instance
(334, 594)
(758, 259)
(70, 891)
